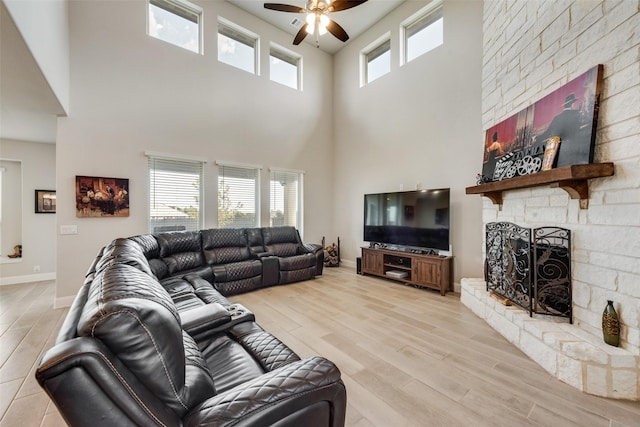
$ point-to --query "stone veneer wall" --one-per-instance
(532, 48)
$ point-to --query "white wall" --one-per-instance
(131, 93)
(44, 26)
(530, 50)
(37, 230)
(418, 125)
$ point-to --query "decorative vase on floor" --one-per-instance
(610, 325)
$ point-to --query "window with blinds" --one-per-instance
(238, 196)
(176, 22)
(376, 60)
(175, 194)
(286, 198)
(423, 32)
(284, 67)
(237, 47)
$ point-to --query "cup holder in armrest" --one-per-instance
(240, 313)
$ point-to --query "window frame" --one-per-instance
(376, 49)
(424, 18)
(222, 165)
(178, 162)
(184, 9)
(299, 176)
(240, 35)
(290, 57)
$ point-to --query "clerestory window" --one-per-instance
(176, 22)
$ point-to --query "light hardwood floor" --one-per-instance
(409, 357)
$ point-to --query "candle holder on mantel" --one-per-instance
(610, 325)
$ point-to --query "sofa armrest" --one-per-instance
(110, 392)
(299, 392)
(203, 318)
(210, 319)
(312, 247)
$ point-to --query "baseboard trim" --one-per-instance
(16, 280)
(63, 302)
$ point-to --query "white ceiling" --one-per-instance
(355, 20)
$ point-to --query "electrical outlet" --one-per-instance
(36, 269)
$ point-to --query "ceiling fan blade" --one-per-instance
(334, 28)
(284, 7)
(301, 35)
(339, 5)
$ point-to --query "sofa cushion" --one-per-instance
(282, 241)
(297, 262)
(134, 316)
(180, 250)
(225, 245)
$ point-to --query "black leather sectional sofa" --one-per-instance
(152, 339)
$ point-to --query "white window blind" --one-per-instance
(237, 47)
(175, 194)
(176, 22)
(286, 198)
(238, 196)
(424, 32)
(376, 60)
(284, 67)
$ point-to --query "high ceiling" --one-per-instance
(355, 20)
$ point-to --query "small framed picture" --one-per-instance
(45, 201)
(550, 153)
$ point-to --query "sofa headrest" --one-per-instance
(225, 245)
(180, 250)
(148, 244)
(282, 241)
(134, 316)
(123, 251)
(178, 241)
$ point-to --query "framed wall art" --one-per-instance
(102, 197)
(569, 113)
(45, 201)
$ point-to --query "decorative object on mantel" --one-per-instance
(610, 325)
(550, 152)
(515, 146)
(102, 197)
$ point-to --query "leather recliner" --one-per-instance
(128, 355)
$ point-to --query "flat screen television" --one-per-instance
(417, 218)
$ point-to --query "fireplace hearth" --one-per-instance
(530, 267)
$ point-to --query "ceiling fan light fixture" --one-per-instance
(310, 28)
(311, 18)
(324, 20)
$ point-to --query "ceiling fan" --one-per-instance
(317, 20)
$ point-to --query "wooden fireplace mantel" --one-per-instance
(574, 179)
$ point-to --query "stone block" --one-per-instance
(624, 361)
(597, 380)
(539, 352)
(624, 384)
(581, 293)
(584, 351)
(555, 340)
(570, 371)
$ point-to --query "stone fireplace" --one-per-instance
(529, 50)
